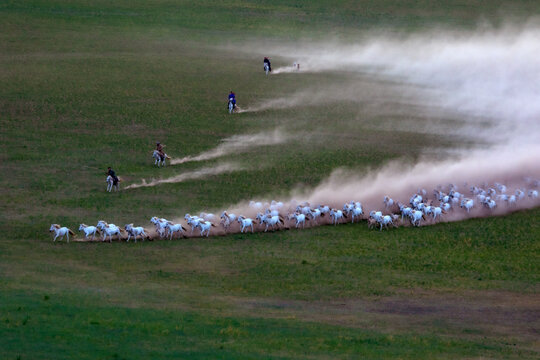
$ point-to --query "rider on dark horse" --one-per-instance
(267, 61)
(160, 151)
(112, 174)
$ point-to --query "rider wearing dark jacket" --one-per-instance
(267, 61)
(113, 175)
(232, 97)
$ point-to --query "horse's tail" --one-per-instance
(71, 232)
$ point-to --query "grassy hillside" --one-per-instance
(91, 84)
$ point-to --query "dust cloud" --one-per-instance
(190, 175)
(237, 144)
(488, 79)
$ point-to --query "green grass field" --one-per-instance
(90, 84)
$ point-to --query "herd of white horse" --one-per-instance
(420, 209)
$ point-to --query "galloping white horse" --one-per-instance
(416, 216)
(205, 227)
(173, 228)
(193, 221)
(315, 214)
(60, 231)
(161, 225)
(109, 230)
(159, 160)
(300, 219)
(270, 220)
(337, 215)
(385, 221)
(135, 231)
(111, 185)
(245, 222)
(467, 204)
(227, 219)
(88, 230)
(356, 211)
(388, 202)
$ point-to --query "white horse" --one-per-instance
(160, 160)
(375, 214)
(269, 220)
(135, 231)
(60, 231)
(111, 185)
(245, 223)
(88, 230)
(388, 202)
(193, 221)
(205, 227)
(385, 221)
(173, 228)
(160, 224)
(356, 212)
(266, 68)
(325, 209)
(300, 219)
(416, 216)
(315, 214)
(467, 204)
(256, 205)
(304, 209)
(109, 230)
(405, 210)
(207, 216)
(337, 215)
(446, 206)
(231, 107)
(227, 219)
(490, 203)
(437, 212)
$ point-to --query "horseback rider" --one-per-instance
(159, 149)
(112, 174)
(267, 61)
(232, 98)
